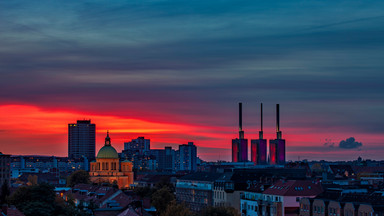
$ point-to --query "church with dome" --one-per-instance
(109, 168)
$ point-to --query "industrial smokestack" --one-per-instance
(241, 132)
(278, 132)
(240, 117)
(277, 118)
(261, 117)
(261, 122)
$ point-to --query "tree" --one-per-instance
(143, 191)
(175, 209)
(165, 182)
(32, 180)
(42, 200)
(220, 211)
(78, 177)
(4, 193)
(162, 198)
(34, 200)
(37, 208)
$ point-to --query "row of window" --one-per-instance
(219, 195)
(332, 211)
(105, 166)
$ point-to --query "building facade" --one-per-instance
(108, 168)
(277, 146)
(82, 140)
(188, 157)
(282, 198)
(5, 169)
(139, 145)
(196, 190)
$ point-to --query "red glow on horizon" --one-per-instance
(26, 129)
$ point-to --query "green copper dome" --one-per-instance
(107, 151)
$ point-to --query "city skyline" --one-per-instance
(174, 72)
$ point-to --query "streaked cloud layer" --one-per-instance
(189, 63)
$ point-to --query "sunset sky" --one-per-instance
(174, 71)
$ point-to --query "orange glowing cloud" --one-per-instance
(32, 130)
(26, 129)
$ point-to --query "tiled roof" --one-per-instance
(340, 169)
(202, 176)
(12, 211)
(87, 193)
(294, 188)
(362, 169)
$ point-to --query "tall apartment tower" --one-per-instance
(240, 145)
(259, 146)
(140, 145)
(82, 140)
(188, 157)
(277, 146)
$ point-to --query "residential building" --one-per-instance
(188, 157)
(282, 198)
(44, 164)
(140, 145)
(196, 190)
(82, 140)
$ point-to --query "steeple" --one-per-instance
(107, 139)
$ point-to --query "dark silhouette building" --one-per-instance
(259, 146)
(240, 145)
(5, 169)
(188, 157)
(81, 140)
(277, 146)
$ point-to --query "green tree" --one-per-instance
(34, 200)
(78, 177)
(175, 209)
(32, 180)
(144, 191)
(41, 200)
(38, 208)
(162, 198)
(165, 182)
(220, 211)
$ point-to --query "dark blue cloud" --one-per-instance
(321, 60)
(350, 143)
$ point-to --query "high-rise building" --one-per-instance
(139, 145)
(165, 158)
(81, 140)
(277, 146)
(188, 157)
(259, 146)
(5, 169)
(138, 151)
(240, 145)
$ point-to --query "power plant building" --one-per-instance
(259, 146)
(277, 146)
(240, 145)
